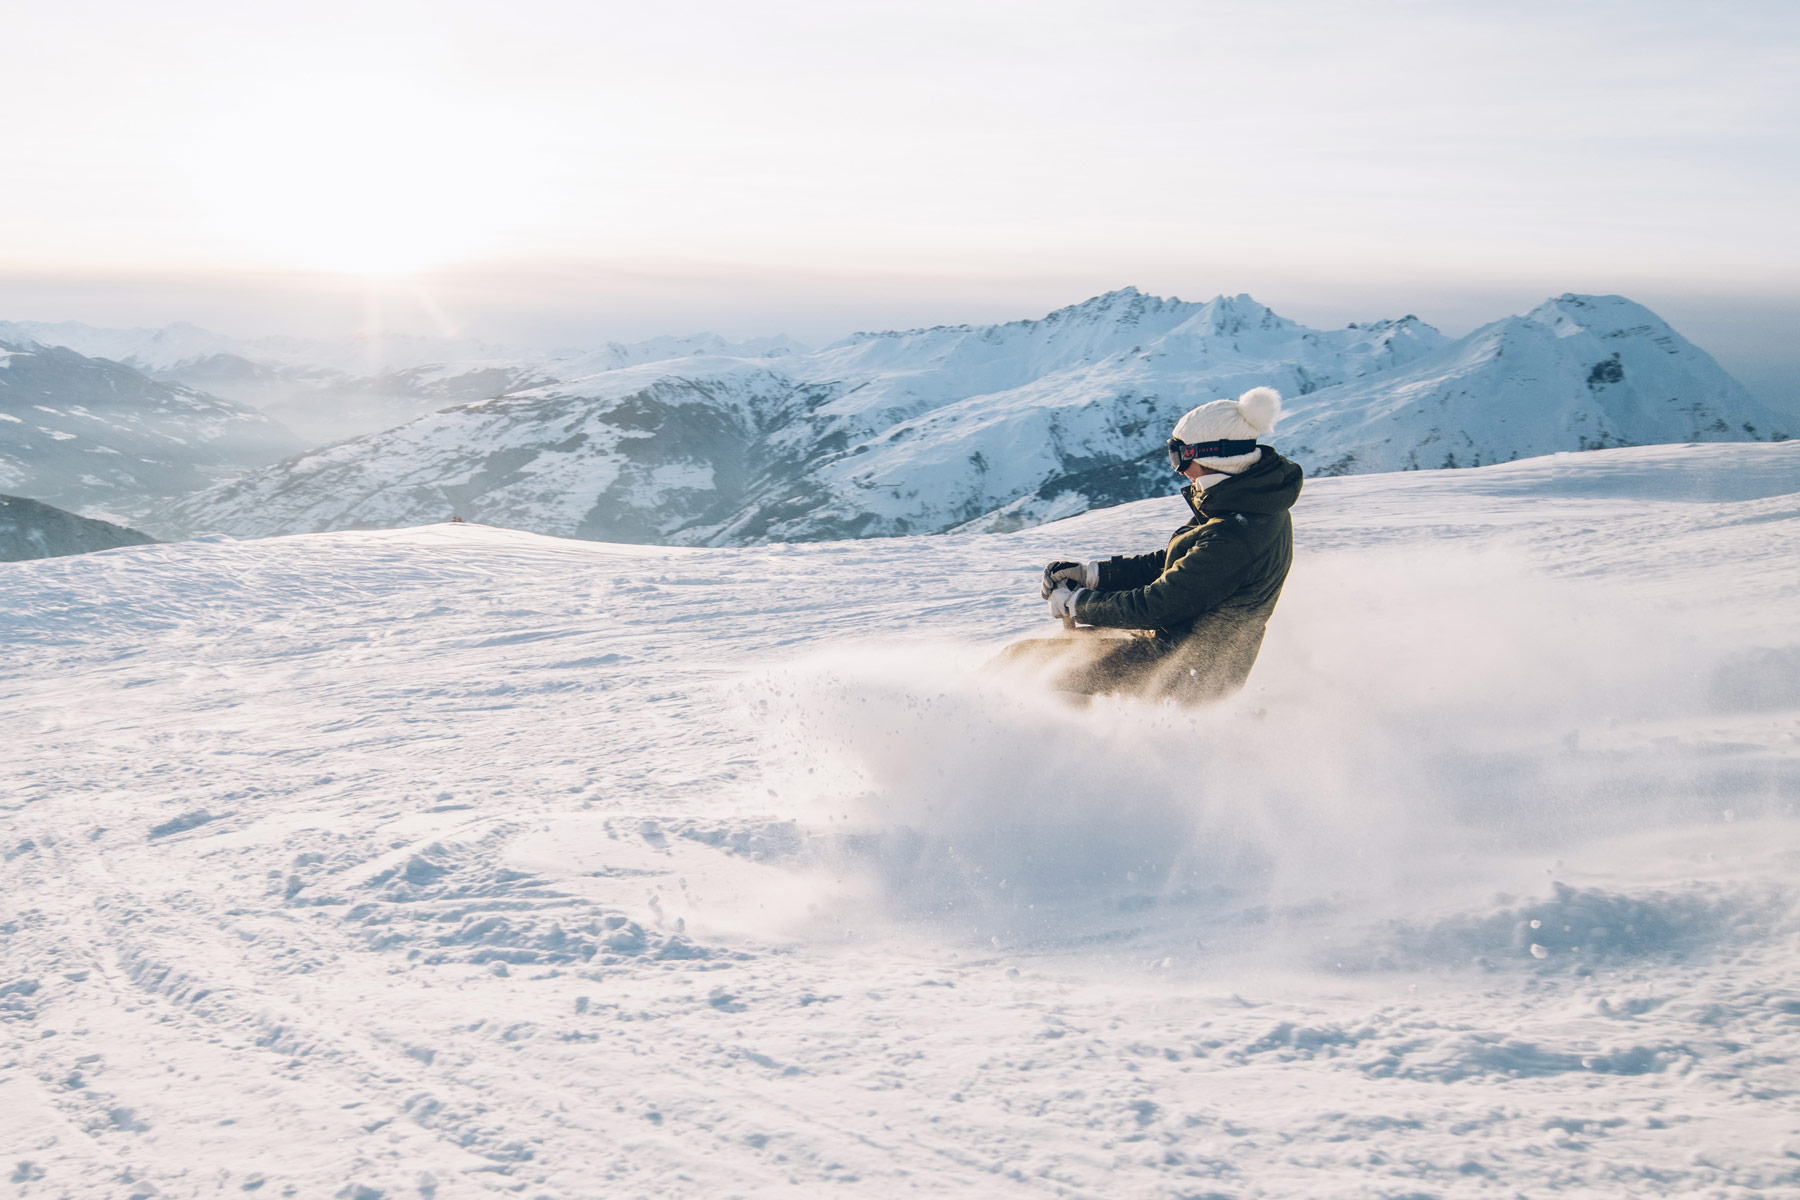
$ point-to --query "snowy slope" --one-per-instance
(456, 861)
(98, 437)
(32, 530)
(991, 427)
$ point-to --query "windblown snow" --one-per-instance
(454, 861)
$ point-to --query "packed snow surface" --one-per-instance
(452, 861)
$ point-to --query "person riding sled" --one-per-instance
(1184, 622)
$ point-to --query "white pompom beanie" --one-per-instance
(1250, 417)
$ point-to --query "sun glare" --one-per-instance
(371, 180)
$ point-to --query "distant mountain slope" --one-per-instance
(992, 427)
(1574, 373)
(326, 390)
(149, 350)
(181, 347)
(29, 529)
(348, 405)
(338, 407)
(639, 458)
(96, 436)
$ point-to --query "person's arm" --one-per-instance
(1125, 571)
(1198, 582)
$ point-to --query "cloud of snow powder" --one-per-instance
(1417, 726)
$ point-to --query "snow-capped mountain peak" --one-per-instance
(1574, 373)
(1572, 313)
(1124, 307)
(1227, 315)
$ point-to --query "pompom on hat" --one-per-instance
(1248, 418)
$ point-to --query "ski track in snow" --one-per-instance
(454, 861)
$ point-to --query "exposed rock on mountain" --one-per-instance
(29, 529)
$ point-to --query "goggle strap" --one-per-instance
(1221, 449)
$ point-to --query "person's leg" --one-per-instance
(1089, 664)
(1039, 653)
(1058, 660)
(1215, 659)
(1124, 665)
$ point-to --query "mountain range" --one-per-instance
(29, 529)
(988, 427)
(102, 438)
(328, 389)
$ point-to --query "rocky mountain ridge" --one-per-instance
(991, 427)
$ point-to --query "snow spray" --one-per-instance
(1415, 730)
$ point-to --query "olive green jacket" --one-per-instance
(1210, 593)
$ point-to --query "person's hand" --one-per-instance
(1073, 573)
(1062, 601)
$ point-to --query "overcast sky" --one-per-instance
(532, 170)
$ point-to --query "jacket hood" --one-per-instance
(1272, 485)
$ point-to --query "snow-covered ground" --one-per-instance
(449, 861)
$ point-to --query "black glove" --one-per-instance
(1075, 574)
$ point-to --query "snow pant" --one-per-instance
(1209, 664)
(1096, 664)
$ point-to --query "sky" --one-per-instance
(556, 172)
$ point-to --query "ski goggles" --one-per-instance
(1182, 453)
